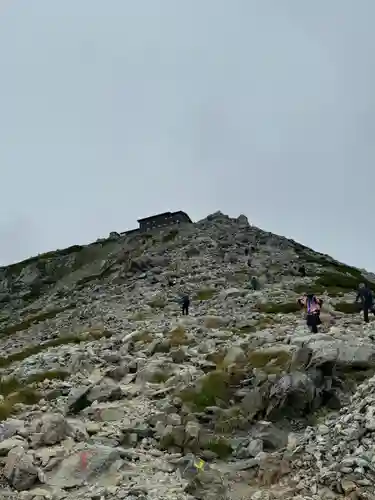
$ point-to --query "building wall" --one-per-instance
(157, 221)
(163, 220)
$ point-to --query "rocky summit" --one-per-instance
(108, 392)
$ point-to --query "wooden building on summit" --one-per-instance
(163, 220)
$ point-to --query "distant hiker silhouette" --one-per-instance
(366, 297)
(185, 303)
(302, 270)
(254, 283)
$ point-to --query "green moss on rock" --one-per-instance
(347, 307)
(345, 282)
(279, 308)
(270, 360)
(318, 289)
(211, 390)
(205, 294)
(94, 334)
(157, 303)
(178, 337)
(220, 446)
(33, 319)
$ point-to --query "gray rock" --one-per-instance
(255, 447)
(192, 435)
(343, 354)
(78, 400)
(204, 482)
(235, 355)
(19, 469)
(50, 429)
(10, 427)
(106, 412)
(253, 402)
(105, 390)
(232, 293)
(292, 394)
(8, 444)
(82, 467)
(164, 406)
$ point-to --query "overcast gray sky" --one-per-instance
(114, 110)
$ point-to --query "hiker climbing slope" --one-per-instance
(185, 303)
(254, 283)
(366, 297)
(312, 305)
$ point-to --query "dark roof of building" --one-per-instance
(180, 212)
(164, 214)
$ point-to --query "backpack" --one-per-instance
(309, 304)
(367, 296)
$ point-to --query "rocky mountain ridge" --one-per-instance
(107, 392)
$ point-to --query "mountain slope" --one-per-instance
(114, 393)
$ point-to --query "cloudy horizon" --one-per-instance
(118, 110)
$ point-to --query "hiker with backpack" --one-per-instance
(366, 297)
(254, 283)
(185, 303)
(312, 305)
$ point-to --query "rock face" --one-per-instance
(20, 469)
(108, 392)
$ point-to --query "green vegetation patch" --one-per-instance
(216, 357)
(144, 337)
(33, 319)
(220, 446)
(178, 337)
(278, 308)
(212, 390)
(245, 329)
(262, 324)
(270, 360)
(160, 377)
(68, 339)
(19, 266)
(16, 392)
(347, 307)
(348, 282)
(205, 294)
(37, 378)
(335, 273)
(157, 303)
(26, 396)
(318, 289)
(170, 236)
(140, 316)
(230, 420)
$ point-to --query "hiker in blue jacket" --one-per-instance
(366, 297)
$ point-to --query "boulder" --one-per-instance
(77, 399)
(204, 482)
(342, 353)
(232, 293)
(20, 470)
(105, 390)
(48, 430)
(85, 466)
(291, 395)
(215, 321)
(235, 355)
(8, 444)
